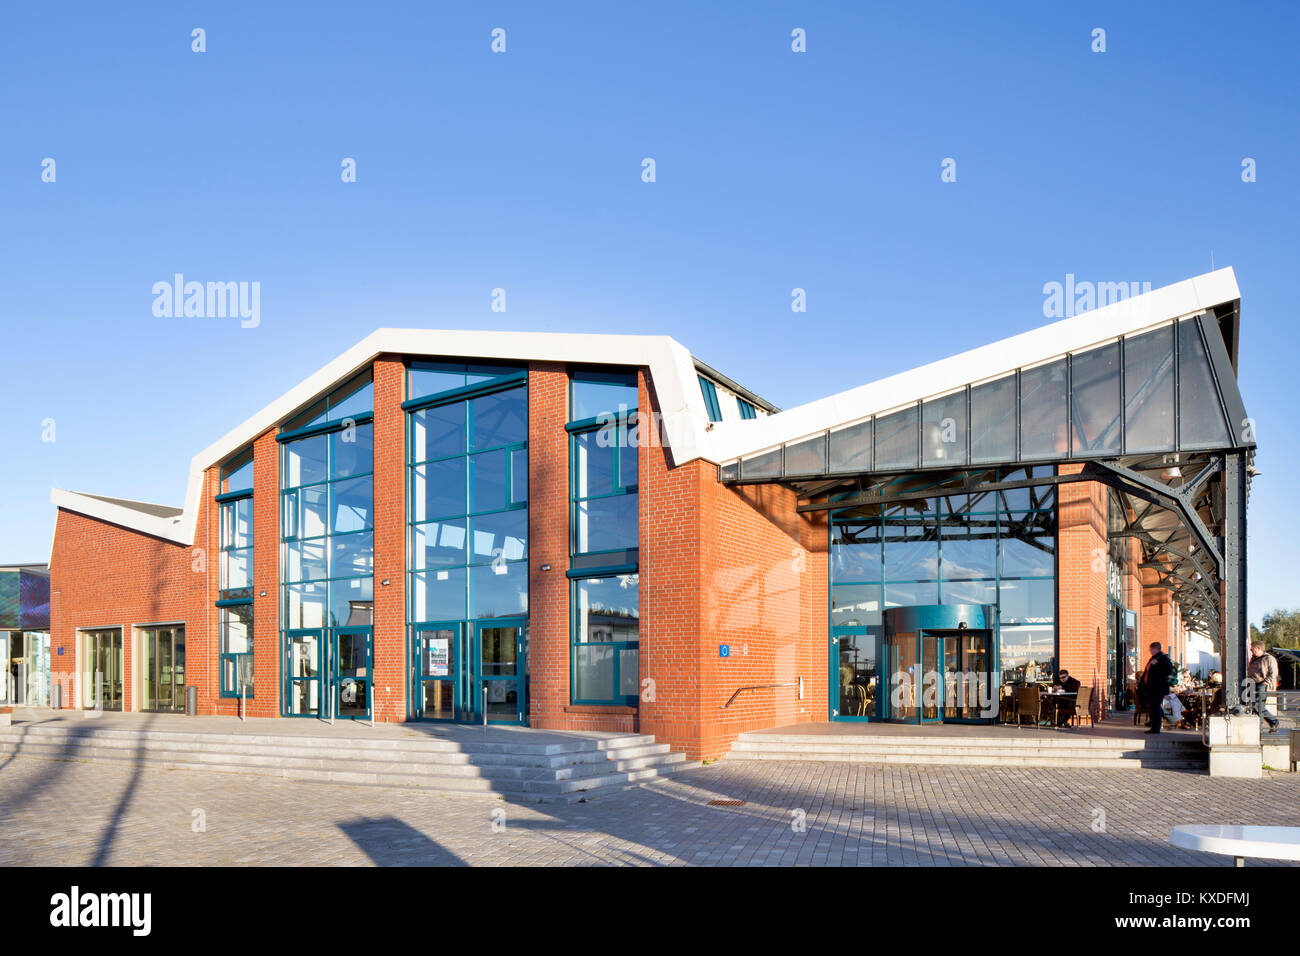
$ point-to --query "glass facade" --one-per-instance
(235, 578)
(604, 537)
(1148, 392)
(468, 481)
(327, 555)
(949, 548)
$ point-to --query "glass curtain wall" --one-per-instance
(1150, 392)
(327, 539)
(986, 548)
(235, 585)
(604, 537)
(468, 467)
(467, 441)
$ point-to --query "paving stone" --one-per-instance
(70, 813)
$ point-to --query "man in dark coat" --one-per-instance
(1067, 707)
(1153, 685)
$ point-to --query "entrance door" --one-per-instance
(464, 669)
(302, 672)
(8, 680)
(104, 669)
(164, 669)
(967, 681)
(440, 689)
(351, 670)
(498, 681)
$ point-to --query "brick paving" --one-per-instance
(73, 813)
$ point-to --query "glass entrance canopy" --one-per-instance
(1166, 389)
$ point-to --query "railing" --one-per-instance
(798, 682)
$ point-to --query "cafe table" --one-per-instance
(1052, 701)
(1239, 842)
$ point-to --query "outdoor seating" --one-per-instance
(1029, 702)
(1083, 707)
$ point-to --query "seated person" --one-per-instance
(1071, 686)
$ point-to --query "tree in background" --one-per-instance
(1281, 629)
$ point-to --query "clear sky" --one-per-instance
(522, 170)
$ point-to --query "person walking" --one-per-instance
(1153, 685)
(1262, 669)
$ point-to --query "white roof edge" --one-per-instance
(168, 528)
(672, 369)
(736, 440)
(685, 424)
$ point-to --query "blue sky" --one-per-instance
(522, 171)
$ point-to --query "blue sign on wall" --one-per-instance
(724, 650)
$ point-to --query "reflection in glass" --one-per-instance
(1094, 385)
(943, 430)
(993, 421)
(1149, 391)
(896, 439)
(1044, 407)
(1201, 421)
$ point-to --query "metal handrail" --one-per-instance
(797, 682)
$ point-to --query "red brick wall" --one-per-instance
(1081, 583)
(103, 575)
(548, 544)
(726, 566)
(391, 687)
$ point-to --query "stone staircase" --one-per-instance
(548, 769)
(1028, 750)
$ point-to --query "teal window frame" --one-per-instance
(601, 564)
(235, 486)
(576, 578)
(239, 660)
(710, 392)
(747, 409)
(939, 517)
(481, 380)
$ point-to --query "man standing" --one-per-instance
(1262, 669)
(1153, 686)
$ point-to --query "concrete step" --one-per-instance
(545, 771)
(1030, 750)
(805, 741)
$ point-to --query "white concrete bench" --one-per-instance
(1263, 843)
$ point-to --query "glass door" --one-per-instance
(163, 672)
(352, 672)
(104, 667)
(9, 679)
(857, 676)
(499, 676)
(302, 652)
(440, 691)
(931, 683)
(967, 683)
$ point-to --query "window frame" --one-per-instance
(576, 579)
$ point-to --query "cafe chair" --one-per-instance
(1029, 701)
(1083, 707)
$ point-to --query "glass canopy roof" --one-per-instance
(1167, 389)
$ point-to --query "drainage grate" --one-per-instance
(726, 803)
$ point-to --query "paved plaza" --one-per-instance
(76, 813)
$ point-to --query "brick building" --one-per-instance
(602, 532)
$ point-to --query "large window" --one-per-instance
(468, 482)
(987, 548)
(604, 537)
(327, 513)
(235, 575)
